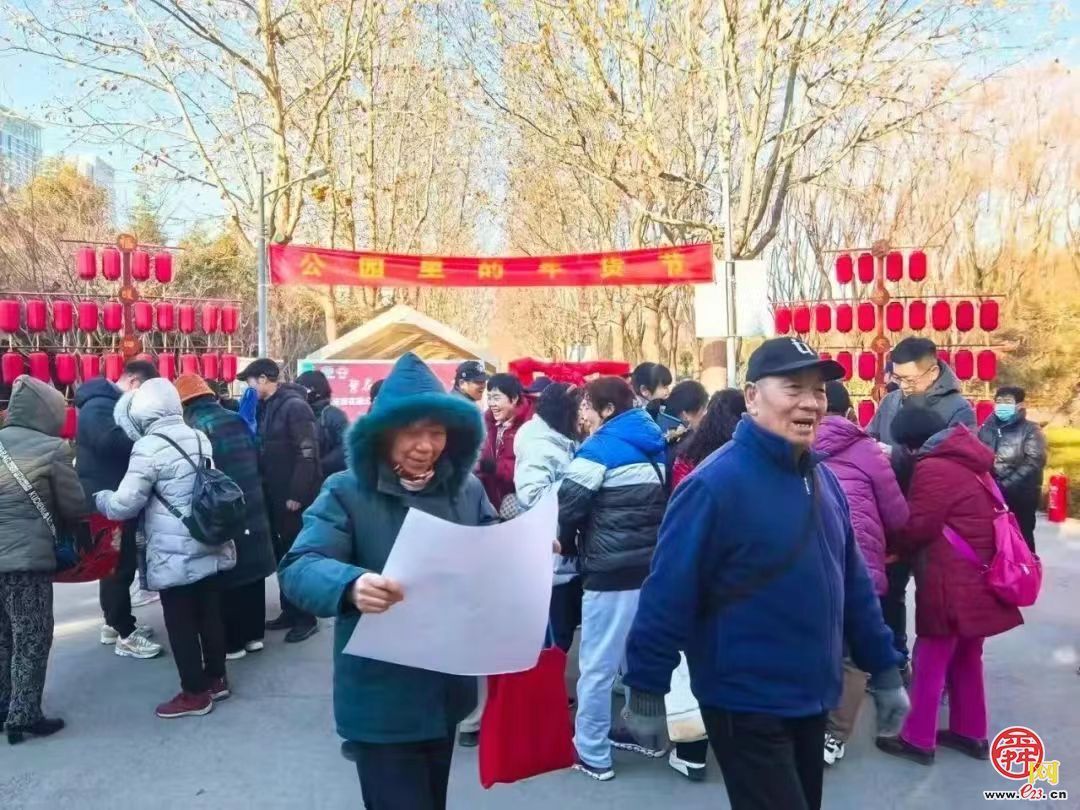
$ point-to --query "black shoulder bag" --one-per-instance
(217, 503)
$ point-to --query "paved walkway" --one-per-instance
(272, 745)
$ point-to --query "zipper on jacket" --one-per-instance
(824, 549)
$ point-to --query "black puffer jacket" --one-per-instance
(330, 422)
(288, 448)
(102, 449)
(614, 495)
(1019, 454)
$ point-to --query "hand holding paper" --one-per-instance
(373, 593)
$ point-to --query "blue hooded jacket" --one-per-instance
(350, 529)
(777, 650)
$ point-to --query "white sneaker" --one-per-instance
(254, 646)
(694, 771)
(141, 598)
(137, 646)
(834, 749)
(235, 655)
(109, 635)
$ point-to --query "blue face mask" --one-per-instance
(1005, 411)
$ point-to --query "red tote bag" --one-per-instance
(525, 729)
(97, 551)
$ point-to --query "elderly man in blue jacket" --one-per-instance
(758, 579)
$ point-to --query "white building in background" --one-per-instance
(100, 173)
(20, 148)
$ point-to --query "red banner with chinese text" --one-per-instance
(302, 264)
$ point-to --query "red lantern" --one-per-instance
(67, 368)
(846, 362)
(36, 315)
(986, 365)
(845, 318)
(144, 357)
(866, 412)
(114, 366)
(989, 315)
(39, 366)
(165, 315)
(140, 265)
(187, 318)
(916, 265)
(189, 364)
(894, 266)
(88, 316)
(782, 320)
(965, 316)
(163, 267)
(90, 366)
(63, 315)
(167, 365)
(228, 367)
(845, 269)
(894, 316)
(964, 364)
(941, 316)
(984, 408)
(112, 316)
(9, 316)
(866, 268)
(210, 313)
(230, 319)
(825, 355)
(822, 317)
(945, 356)
(800, 318)
(110, 263)
(210, 366)
(867, 317)
(71, 424)
(11, 366)
(143, 315)
(867, 365)
(916, 315)
(86, 263)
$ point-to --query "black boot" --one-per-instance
(976, 749)
(304, 628)
(282, 622)
(42, 728)
(899, 747)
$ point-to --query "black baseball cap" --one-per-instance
(264, 366)
(470, 371)
(537, 386)
(783, 357)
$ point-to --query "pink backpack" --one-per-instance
(1015, 573)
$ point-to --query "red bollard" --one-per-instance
(1057, 499)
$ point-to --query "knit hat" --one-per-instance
(189, 386)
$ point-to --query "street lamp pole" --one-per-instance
(262, 272)
(729, 280)
(262, 314)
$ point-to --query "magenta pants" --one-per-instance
(953, 663)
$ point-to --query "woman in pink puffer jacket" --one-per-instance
(878, 509)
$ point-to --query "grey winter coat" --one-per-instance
(173, 557)
(31, 437)
(943, 396)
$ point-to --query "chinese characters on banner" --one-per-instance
(351, 380)
(301, 264)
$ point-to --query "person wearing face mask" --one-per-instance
(878, 509)
(759, 578)
(1019, 456)
(415, 449)
(612, 497)
(330, 421)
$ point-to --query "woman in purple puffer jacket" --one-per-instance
(878, 509)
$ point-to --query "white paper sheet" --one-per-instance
(476, 597)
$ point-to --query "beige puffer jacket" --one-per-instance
(31, 437)
(173, 556)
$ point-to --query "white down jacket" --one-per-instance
(173, 556)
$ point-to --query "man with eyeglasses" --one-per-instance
(924, 382)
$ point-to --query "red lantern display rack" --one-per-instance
(873, 311)
(68, 337)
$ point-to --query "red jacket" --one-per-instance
(496, 467)
(951, 595)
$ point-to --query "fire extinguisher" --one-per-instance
(1057, 499)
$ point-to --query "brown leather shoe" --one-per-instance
(976, 749)
(898, 747)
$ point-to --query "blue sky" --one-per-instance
(27, 84)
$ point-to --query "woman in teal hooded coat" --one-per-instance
(415, 449)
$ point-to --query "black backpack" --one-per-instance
(217, 503)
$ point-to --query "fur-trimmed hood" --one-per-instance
(412, 392)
